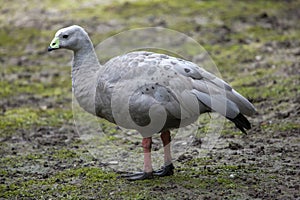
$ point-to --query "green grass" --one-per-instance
(282, 127)
(16, 40)
(70, 183)
(27, 118)
(271, 89)
(30, 81)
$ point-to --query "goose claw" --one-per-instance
(137, 176)
(165, 171)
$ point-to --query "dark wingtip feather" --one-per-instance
(241, 122)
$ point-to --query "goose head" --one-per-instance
(72, 38)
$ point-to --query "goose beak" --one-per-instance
(54, 44)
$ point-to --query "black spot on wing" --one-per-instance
(187, 70)
(173, 63)
(164, 56)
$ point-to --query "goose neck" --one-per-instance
(84, 78)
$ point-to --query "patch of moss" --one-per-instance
(18, 118)
(266, 34)
(53, 86)
(274, 90)
(17, 39)
(25, 118)
(64, 154)
(228, 60)
(288, 126)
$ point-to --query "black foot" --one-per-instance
(138, 176)
(165, 171)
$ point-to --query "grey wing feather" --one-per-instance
(208, 87)
(217, 102)
(217, 95)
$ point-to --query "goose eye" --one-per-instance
(65, 36)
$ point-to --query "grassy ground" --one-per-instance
(255, 45)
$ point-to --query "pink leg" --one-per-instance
(148, 172)
(147, 143)
(166, 139)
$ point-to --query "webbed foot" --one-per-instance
(165, 171)
(138, 176)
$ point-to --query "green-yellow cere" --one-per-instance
(55, 43)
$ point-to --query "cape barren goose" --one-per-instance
(149, 92)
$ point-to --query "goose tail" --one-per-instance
(241, 122)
